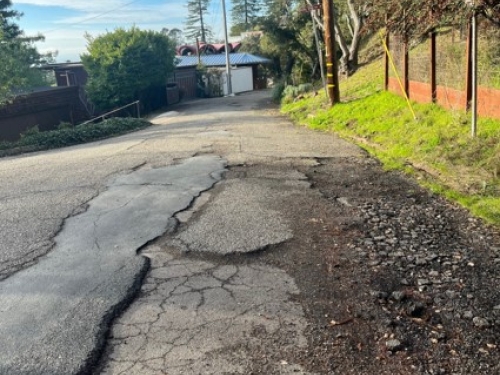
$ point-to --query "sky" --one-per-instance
(65, 22)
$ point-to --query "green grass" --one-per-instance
(34, 140)
(463, 169)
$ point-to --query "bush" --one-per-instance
(277, 91)
(292, 92)
(34, 140)
(34, 130)
(64, 125)
(123, 63)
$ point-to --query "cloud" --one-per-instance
(139, 15)
(70, 44)
(85, 6)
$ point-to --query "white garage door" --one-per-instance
(241, 79)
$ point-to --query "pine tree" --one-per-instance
(196, 26)
(8, 29)
(18, 55)
(244, 14)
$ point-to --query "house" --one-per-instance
(47, 107)
(244, 72)
(68, 74)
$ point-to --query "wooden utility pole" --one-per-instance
(406, 65)
(433, 66)
(469, 74)
(387, 60)
(332, 75)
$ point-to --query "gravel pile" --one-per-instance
(438, 285)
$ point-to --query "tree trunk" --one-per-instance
(290, 62)
(202, 24)
(341, 41)
(350, 52)
(356, 24)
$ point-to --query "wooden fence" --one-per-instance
(45, 109)
(440, 71)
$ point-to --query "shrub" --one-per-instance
(292, 92)
(30, 131)
(34, 140)
(277, 91)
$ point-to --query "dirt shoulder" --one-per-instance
(393, 279)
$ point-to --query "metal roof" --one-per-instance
(220, 60)
(58, 66)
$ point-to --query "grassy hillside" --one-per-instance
(436, 148)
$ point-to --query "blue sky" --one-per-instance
(64, 22)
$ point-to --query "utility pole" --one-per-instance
(474, 72)
(332, 77)
(228, 62)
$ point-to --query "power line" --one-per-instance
(93, 17)
(218, 21)
(215, 18)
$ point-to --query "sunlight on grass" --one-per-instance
(462, 169)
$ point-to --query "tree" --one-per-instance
(196, 26)
(415, 19)
(244, 15)
(287, 39)
(8, 29)
(491, 10)
(353, 14)
(350, 16)
(18, 56)
(175, 35)
(123, 63)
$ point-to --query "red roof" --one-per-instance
(207, 49)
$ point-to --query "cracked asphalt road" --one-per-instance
(210, 316)
(92, 269)
(197, 317)
(50, 202)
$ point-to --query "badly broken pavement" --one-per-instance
(225, 240)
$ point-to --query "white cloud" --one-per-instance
(69, 43)
(161, 13)
(100, 5)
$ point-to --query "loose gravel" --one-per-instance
(393, 279)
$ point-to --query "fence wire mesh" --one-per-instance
(452, 75)
(489, 58)
(451, 57)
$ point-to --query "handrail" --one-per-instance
(116, 110)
